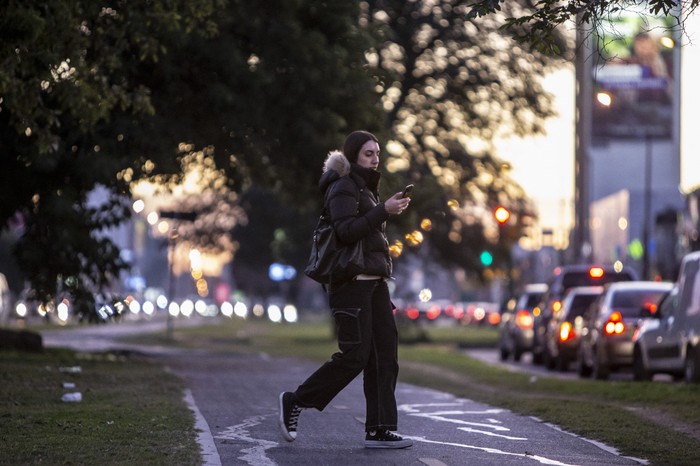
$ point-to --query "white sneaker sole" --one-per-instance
(388, 445)
(288, 436)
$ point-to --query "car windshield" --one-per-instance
(532, 300)
(579, 304)
(573, 279)
(631, 303)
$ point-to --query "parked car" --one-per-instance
(669, 341)
(563, 278)
(515, 330)
(610, 322)
(565, 327)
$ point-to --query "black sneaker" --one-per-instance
(289, 416)
(385, 439)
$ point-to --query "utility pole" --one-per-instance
(581, 236)
(172, 243)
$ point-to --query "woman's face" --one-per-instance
(369, 155)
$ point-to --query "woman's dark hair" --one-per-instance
(354, 142)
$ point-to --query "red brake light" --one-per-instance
(596, 272)
(614, 325)
(566, 331)
(433, 312)
(412, 313)
(494, 318)
(524, 320)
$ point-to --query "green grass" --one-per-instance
(114, 424)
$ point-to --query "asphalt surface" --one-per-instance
(234, 398)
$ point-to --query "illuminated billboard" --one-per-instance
(633, 81)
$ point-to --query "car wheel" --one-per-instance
(548, 359)
(582, 368)
(600, 370)
(562, 365)
(517, 354)
(639, 372)
(692, 365)
(504, 353)
(536, 357)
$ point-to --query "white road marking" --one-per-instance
(254, 455)
(431, 462)
(489, 427)
(475, 431)
(495, 451)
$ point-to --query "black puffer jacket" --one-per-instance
(352, 200)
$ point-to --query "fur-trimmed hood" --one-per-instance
(337, 161)
(335, 167)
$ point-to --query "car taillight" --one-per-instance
(523, 320)
(651, 307)
(433, 312)
(412, 313)
(566, 331)
(614, 325)
(596, 272)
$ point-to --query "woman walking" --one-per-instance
(361, 306)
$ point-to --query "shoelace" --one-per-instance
(389, 435)
(294, 416)
(386, 435)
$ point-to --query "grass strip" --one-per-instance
(132, 411)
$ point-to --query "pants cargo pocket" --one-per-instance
(347, 327)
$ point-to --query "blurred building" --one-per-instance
(628, 153)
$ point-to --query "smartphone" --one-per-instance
(407, 191)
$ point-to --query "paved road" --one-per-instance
(235, 398)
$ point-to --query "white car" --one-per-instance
(669, 342)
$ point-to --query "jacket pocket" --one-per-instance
(347, 326)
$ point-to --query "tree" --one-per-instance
(538, 24)
(67, 71)
(450, 87)
(274, 94)
(103, 96)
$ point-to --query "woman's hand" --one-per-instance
(396, 204)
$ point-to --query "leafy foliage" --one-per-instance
(450, 87)
(67, 71)
(538, 25)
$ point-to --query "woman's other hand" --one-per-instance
(396, 204)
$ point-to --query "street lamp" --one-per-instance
(172, 240)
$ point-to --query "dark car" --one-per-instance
(565, 327)
(515, 330)
(669, 341)
(609, 324)
(564, 278)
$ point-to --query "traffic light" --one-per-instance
(486, 258)
(502, 214)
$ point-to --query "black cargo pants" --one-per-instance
(368, 341)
